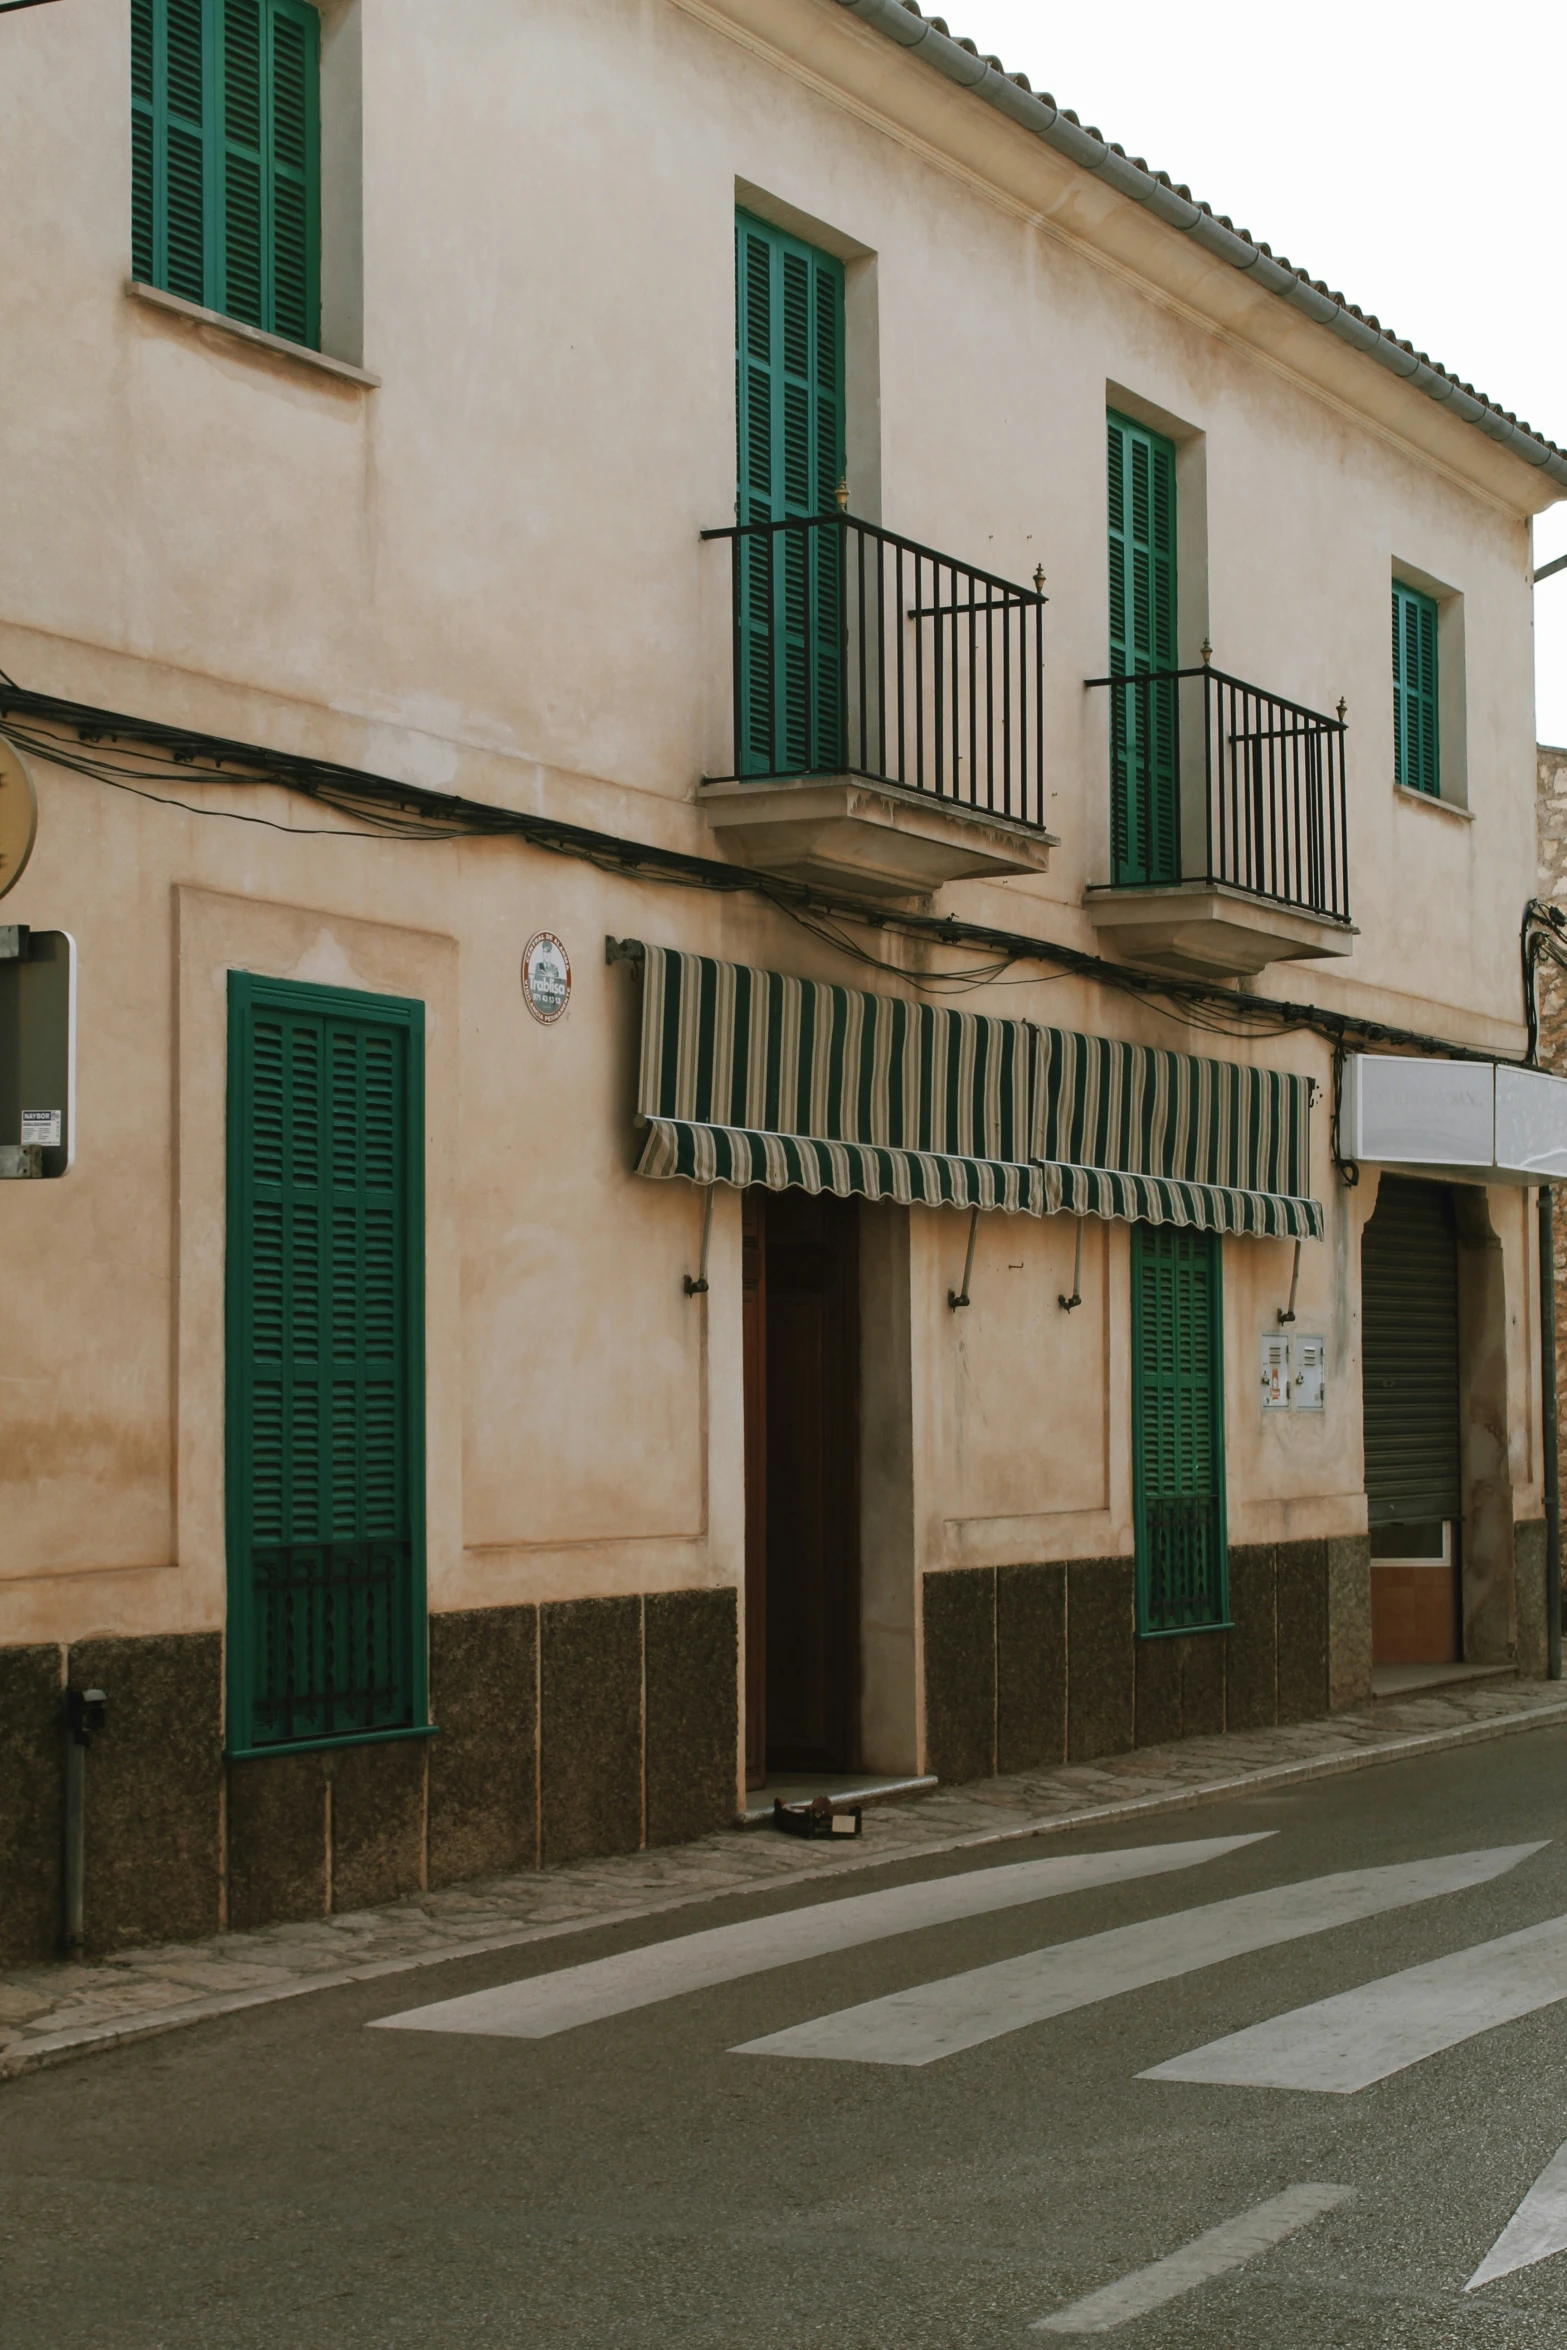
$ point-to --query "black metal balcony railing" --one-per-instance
(1183, 1563)
(1272, 818)
(857, 652)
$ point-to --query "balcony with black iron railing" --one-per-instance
(887, 710)
(1228, 826)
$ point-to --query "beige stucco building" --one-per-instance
(430, 1492)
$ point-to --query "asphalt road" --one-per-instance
(946, 2170)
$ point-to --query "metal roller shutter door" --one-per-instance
(1409, 1331)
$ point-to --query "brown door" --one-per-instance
(802, 1466)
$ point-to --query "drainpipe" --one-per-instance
(86, 1710)
(1552, 1439)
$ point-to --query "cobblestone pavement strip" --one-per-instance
(50, 2013)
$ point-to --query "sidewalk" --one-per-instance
(51, 2013)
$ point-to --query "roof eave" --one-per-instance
(961, 63)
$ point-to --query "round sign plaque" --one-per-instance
(18, 814)
(546, 976)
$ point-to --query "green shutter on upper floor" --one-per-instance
(1144, 783)
(1178, 1429)
(225, 158)
(789, 399)
(325, 1389)
(1416, 725)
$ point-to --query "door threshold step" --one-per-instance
(837, 1786)
(1415, 1680)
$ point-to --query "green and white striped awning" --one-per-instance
(751, 1077)
(1165, 1138)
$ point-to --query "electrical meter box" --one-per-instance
(1310, 1359)
(37, 1050)
(1275, 1373)
(1294, 1372)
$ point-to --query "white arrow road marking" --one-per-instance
(935, 2019)
(1537, 2228)
(544, 2004)
(1346, 2043)
(1211, 2255)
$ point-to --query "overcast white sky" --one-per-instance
(1416, 159)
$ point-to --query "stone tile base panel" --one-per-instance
(1529, 1584)
(566, 1731)
(1031, 1665)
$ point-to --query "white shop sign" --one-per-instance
(1481, 1121)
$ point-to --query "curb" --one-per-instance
(91, 2039)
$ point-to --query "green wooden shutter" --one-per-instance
(171, 116)
(225, 156)
(325, 1384)
(790, 412)
(294, 174)
(1416, 731)
(1178, 1429)
(1145, 790)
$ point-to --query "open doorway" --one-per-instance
(802, 1386)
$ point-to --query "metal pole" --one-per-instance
(1552, 1439)
(85, 1712)
(75, 1886)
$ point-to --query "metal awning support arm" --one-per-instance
(960, 1297)
(698, 1287)
(1067, 1303)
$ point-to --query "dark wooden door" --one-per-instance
(812, 1373)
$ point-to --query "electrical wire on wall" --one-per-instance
(1543, 939)
(154, 761)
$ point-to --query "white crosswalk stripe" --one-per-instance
(1537, 2229)
(1210, 2255)
(556, 2002)
(933, 2020)
(1345, 2043)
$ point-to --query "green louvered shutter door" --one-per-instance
(789, 404)
(1416, 745)
(293, 171)
(1409, 1355)
(143, 145)
(225, 158)
(325, 1441)
(241, 293)
(1178, 1428)
(171, 117)
(270, 189)
(1145, 793)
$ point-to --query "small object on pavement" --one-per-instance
(817, 1818)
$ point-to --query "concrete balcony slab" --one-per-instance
(876, 840)
(1210, 929)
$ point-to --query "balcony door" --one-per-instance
(790, 419)
(1145, 799)
(802, 1385)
